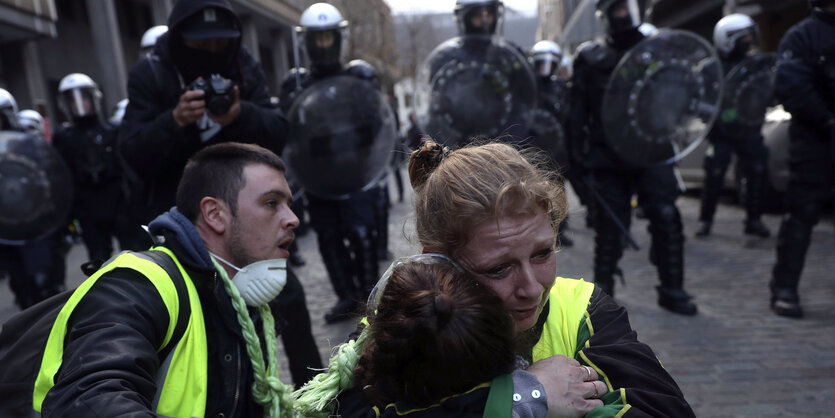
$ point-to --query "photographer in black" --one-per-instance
(198, 88)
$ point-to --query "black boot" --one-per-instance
(785, 302)
(704, 229)
(792, 242)
(668, 257)
(756, 228)
(676, 300)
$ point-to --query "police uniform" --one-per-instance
(805, 85)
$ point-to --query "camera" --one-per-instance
(218, 93)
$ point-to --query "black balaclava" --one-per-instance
(193, 63)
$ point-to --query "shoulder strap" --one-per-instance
(164, 260)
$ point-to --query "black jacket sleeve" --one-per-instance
(148, 136)
(797, 85)
(628, 365)
(110, 354)
(258, 122)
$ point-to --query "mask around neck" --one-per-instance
(259, 282)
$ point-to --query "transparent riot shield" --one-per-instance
(749, 91)
(662, 98)
(341, 136)
(475, 86)
(35, 187)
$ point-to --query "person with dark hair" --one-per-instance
(180, 330)
(199, 87)
(805, 77)
(436, 329)
(496, 212)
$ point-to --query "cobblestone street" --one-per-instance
(734, 359)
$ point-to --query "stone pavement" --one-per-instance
(735, 359)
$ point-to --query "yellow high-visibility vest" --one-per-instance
(182, 379)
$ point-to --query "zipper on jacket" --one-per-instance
(237, 382)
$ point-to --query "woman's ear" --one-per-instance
(215, 214)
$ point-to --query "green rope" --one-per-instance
(314, 399)
(267, 389)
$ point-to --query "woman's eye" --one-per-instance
(497, 272)
(543, 254)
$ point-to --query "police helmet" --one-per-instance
(30, 121)
(79, 96)
(8, 111)
(735, 35)
(620, 15)
(479, 17)
(648, 29)
(545, 57)
(149, 39)
(323, 31)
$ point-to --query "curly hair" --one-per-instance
(436, 332)
(457, 190)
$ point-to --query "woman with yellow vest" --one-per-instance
(496, 213)
(137, 339)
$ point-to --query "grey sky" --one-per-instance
(410, 6)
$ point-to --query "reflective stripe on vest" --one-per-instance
(184, 388)
(569, 301)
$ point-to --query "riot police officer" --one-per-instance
(735, 37)
(34, 260)
(613, 180)
(344, 225)
(149, 40)
(88, 145)
(805, 81)
(547, 128)
(30, 121)
(477, 85)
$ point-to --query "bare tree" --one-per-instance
(416, 37)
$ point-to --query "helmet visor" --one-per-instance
(744, 41)
(79, 102)
(480, 20)
(323, 47)
(545, 65)
(623, 15)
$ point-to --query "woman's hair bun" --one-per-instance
(443, 309)
(424, 161)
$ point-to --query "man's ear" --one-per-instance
(215, 214)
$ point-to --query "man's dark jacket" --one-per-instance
(154, 147)
(110, 353)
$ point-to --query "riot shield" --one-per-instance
(548, 134)
(662, 98)
(749, 90)
(341, 137)
(474, 86)
(35, 187)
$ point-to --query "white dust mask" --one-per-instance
(261, 281)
